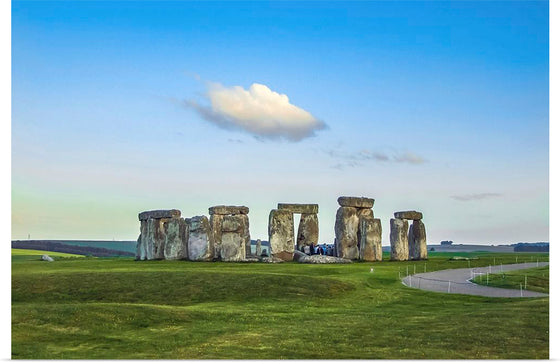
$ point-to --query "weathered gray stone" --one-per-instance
(200, 245)
(152, 238)
(216, 229)
(258, 250)
(308, 231)
(417, 246)
(408, 215)
(299, 208)
(346, 233)
(369, 237)
(139, 247)
(228, 210)
(176, 239)
(271, 260)
(281, 234)
(318, 259)
(365, 213)
(358, 202)
(235, 235)
(47, 258)
(158, 214)
(399, 240)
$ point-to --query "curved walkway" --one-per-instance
(458, 281)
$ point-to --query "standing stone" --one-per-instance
(200, 244)
(245, 234)
(159, 214)
(258, 250)
(234, 239)
(216, 228)
(365, 213)
(281, 234)
(308, 231)
(369, 236)
(399, 241)
(152, 239)
(346, 233)
(176, 238)
(139, 247)
(417, 245)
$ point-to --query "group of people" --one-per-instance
(321, 249)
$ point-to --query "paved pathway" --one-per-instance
(458, 281)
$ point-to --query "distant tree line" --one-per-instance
(531, 247)
(446, 242)
(71, 249)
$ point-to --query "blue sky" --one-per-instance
(436, 106)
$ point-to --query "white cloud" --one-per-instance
(476, 196)
(408, 157)
(258, 111)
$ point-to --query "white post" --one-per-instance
(449, 287)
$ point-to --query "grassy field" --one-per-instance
(534, 279)
(108, 308)
(30, 254)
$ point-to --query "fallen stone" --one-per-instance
(158, 214)
(369, 237)
(323, 259)
(346, 233)
(359, 202)
(228, 210)
(299, 208)
(271, 260)
(176, 239)
(200, 245)
(417, 246)
(47, 258)
(281, 234)
(308, 231)
(408, 215)
(298, 256)
(399, 240)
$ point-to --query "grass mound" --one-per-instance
(109, 308)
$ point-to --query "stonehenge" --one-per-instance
(281, 229)
(408, 243)
(164, 234)
(225, 235)
(357, 232)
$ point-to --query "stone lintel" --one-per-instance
(359, 202)
(299, 208)
(408, 215)
(228, 210)
(159, 214)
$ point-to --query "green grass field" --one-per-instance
(108, 308)
(534, 279)
(29, 254)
